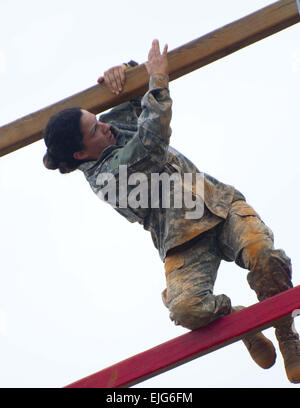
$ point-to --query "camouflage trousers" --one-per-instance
(191, 269)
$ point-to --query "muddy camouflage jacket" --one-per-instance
(143, 146)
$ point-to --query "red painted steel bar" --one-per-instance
(194, 344)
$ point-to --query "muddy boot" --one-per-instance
(270, 274)
(260, 348)
(289, 346)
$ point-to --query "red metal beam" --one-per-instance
(194, 344)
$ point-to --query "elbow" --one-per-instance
(156, 142)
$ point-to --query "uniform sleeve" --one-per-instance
(147, 151)
(154, 122)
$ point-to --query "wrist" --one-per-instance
(159, 72)
(158, 80)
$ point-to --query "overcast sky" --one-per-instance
(80, 287)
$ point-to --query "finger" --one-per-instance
(155, 46)
(165, 51)
(108, 79)
(118, 85)
(151, 52)
(150, 55)
(153, 49)
(122, 75)
(112, 80)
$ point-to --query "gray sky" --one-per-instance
(80, 286)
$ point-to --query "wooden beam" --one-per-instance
(182, 60)
(195, 343)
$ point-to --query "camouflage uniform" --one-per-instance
(191, 269)
(191, 248)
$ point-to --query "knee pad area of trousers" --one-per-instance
(271, 274)
(195, 313)
(258, 255)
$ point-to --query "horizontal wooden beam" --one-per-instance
(191, 345)
(182, 60)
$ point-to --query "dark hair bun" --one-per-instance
(63, 137)
(49, 162)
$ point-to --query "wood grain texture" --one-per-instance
(182, 60)
(191, 345)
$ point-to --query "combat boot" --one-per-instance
(260, 348)
(289, 345)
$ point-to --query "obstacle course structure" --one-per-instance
(196, 343)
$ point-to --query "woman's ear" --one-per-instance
(80, 155)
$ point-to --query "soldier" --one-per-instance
(135, 137)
